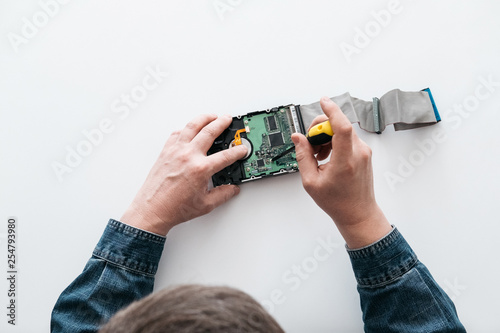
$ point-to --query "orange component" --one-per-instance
(237, 137)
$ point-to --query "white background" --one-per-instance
(261, 54)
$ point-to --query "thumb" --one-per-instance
(304, 152)
(220, 195)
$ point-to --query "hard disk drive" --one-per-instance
(267, 136)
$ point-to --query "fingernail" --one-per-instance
(228, 116)
(325, 99)
(295, 139)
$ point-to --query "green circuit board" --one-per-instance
(270, 135)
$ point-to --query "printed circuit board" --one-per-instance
(267, 135)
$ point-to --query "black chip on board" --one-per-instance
(272, 123)
(260, 163)
(276, 139)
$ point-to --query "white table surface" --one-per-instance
(67, 76)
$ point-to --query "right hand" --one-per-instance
(343, 187)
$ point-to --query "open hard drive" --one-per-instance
(267, 135)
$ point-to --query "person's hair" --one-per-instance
(193, 309)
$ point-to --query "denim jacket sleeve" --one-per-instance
(397, 292)
(120, 271)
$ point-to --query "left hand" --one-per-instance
(176, 189)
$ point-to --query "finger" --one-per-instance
(341, 126)
(206, 137)
(318, 120)
(221, 195)
(304, 152)
(195, 126)
(172, 139)
(324, 152)
(218, 161)
(317, 149)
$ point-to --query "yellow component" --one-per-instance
(237, 137)
(323, 127)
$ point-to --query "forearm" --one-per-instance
(364, 231)
(397, 292)
(121, 270)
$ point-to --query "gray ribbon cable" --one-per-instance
(406, 110)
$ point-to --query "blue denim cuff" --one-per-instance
(131, 248)
(383, 262)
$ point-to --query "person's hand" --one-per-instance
(176, 189)
(343, 187)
